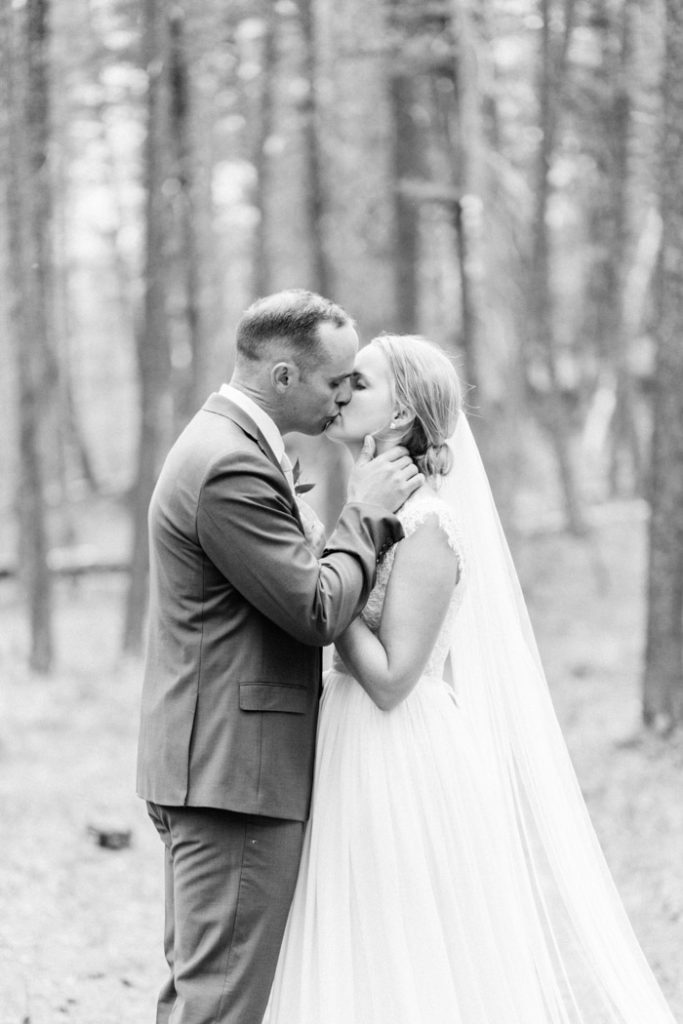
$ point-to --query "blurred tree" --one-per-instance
(315, 186)
(73, 444)
(663, 677)
(154, 360)
(190, 196)
(624, 434)
(407, 166)
(29, 203)
(259, 109)
(440, 60)
(356, 135)
(184, 310)
(407, 68)
(605, 118)
(544, 357)
(470, 180)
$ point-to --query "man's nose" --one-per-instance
(345, 392)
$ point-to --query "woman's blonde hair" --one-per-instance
(425, 382)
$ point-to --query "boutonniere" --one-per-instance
(296, 474)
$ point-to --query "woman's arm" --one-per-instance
(424, 573)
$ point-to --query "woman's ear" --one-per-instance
(402, 417)
(283, 375)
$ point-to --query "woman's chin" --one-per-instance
(352, 434)
(335, 431)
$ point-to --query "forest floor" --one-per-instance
(81, 925)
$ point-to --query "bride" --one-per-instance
(450, 873)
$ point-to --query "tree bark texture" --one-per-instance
(551, 408)
(357, 143)
(29, 216)
(154, 364)
(612, 230)
(187, 316)
(315, 184)
(407, 166)
(471, 184)
(263, 129)
(663, 676)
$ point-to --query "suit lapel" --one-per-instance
(223, 406)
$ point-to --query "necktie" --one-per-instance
(287, 469)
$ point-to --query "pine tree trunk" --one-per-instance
(407, 166)
(73, 443)
(470, 183)
(262, 269)
(663, 678)
(153, 344)
(189, 335)
(357, 143)
(315, 186)
(552, 412)
(29, 203)
(612, 227)
(624, 433)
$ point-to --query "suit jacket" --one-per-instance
(239, 609)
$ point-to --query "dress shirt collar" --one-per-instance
(261, 418)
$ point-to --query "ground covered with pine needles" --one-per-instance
(81, 924)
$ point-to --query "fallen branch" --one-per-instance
(72, 562)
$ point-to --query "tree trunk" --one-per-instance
(262, 269)
(663, 677)
(188, 340)
(551, 410)
(357, 142)
(153, 346)
(73, 444)
(29, 203)
(625, 437)
(612, 227)
(315, 191)
(470, 182)
(407, 166)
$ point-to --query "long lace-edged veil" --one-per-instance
(589, 965)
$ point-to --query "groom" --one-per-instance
(240, 607)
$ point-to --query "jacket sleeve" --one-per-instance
(248, 529)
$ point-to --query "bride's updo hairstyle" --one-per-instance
(425, 382)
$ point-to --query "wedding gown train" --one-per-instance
(409, 907)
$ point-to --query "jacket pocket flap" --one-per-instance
(274, 697)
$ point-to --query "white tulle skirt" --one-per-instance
(404, 911)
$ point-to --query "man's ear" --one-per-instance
(283, 375)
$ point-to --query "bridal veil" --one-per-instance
(588, 962)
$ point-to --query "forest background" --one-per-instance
(502, 176)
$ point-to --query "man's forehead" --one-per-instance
(338, 348)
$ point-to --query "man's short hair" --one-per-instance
(292, 317)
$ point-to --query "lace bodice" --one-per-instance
(415, 511)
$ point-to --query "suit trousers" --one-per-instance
(229, 881)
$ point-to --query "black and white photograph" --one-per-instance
(341, 511)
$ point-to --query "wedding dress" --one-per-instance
(428, 889)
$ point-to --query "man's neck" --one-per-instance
(257, 396)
